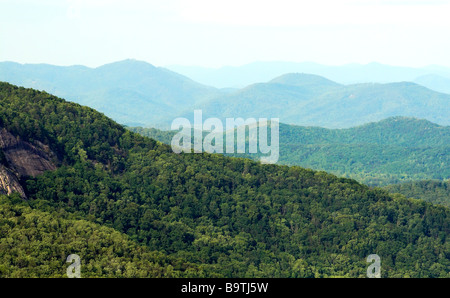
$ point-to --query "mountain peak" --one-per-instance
(127, 64)
(401, 125)
(408, 121)
(303, 79)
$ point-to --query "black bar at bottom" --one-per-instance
(226, 287)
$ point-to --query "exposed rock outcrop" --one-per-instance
(24, 158)
(9, 182)
(21, 159)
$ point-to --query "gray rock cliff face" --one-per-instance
(20, 159)
(9, 183)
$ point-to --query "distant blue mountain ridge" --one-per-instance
(136, 93)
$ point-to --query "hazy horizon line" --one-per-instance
(231, 66)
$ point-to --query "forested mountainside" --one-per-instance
(130, 85)
(307, 100)
(35, 243)
(436, 192)
(195, 214)
(127, 90)
(390, 151)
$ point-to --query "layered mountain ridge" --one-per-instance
(393, 150)
(130, 91)
(131, 207)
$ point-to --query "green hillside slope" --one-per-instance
(128, 91)
(136, 93)
(230, 217)
(36, 244)
(308, 101)
(436, 192)
(389, 151)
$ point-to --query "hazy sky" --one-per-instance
(227, 32)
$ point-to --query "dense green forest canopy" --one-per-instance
(202, 214)
(436, 192)
(34, 243)
(394, 150)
